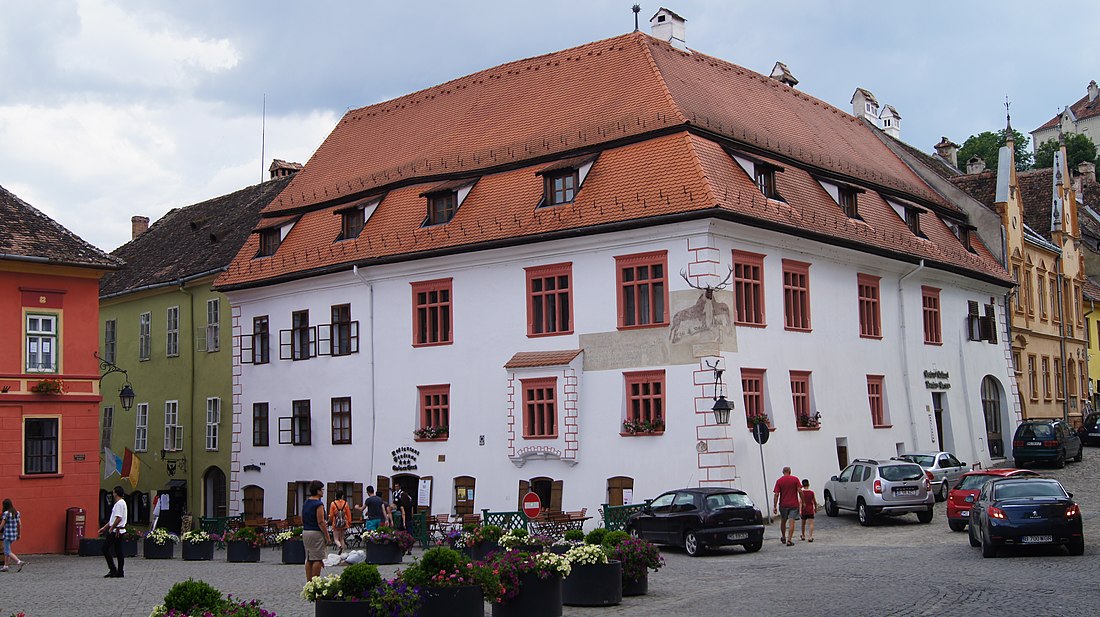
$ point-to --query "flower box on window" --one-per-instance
(634, 428)
(49, 386)
(431, 433)
(807, 422)
(759, 419)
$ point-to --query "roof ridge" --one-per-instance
(711, 198)
(107, 259)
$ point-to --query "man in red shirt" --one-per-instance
(787, 502)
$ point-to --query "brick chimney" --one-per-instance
(280, 168)
(948, 151)
(138, 226)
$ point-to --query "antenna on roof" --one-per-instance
(1008, 115)
(637, 9)
(263, 135)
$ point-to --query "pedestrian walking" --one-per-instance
(340, 515)
(786, 504)
(11, 527)
(314, 530)
(112, 532)
(807, 510)
(374, 510)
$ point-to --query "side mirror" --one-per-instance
(833, 479)
(1070, 494)
(646, 509)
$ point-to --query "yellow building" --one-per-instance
(1092, 331)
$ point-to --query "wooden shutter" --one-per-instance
(291, 499)
(383, 486)
(356, 500)
(324, 339)
(524, 488)
(244, 345)
(555, 496)
(615, 488)
(286, 346)
(330, 495)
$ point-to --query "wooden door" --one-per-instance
(615, 488)
(524, 488)
(555, 496)
(464, 495)
(383, 486)
(291, 499)
(253, 503)
(356, 500)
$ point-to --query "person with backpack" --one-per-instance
(340, 515)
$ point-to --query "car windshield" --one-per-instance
(1035, 431)
(924, 460)
(1009, 490)
(974, 483)
(895, 473)
(728, 500)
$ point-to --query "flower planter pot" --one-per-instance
(240, 551)
(638, 587)
(479, 552)
(452, 602)
(598, 584)
(198, 551)
(538, 597)
(129, 548)
(152, 550)
(386, 553)
(91, 547)
(294, 552)
(558, 550)
(341, 608)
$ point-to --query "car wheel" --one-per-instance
(865, 517)
(831, 508)
(691, 544)
(1076, 548)
(942, 494)
(956, 525)
(988, 549)
(752, 547)
(926, 516)
(1060, 462)
(972, 534)
(1080, 454)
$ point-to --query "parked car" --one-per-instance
(1090, 430)
(966, 491)
(1025, 512)
(872, 488)
(698, 518)
(944, 467)
(1048, 440)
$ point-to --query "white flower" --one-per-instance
(554, 563)
(195, 536)
(160, 536)
(586, 555)
(322, 588)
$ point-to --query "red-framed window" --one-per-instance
(800, 399)
(752, 386)
(435, 411)
(875, 398)
(870, 314)
(540, 408)
(432, 317)
(748, 288)
(550, 300)
(930, 301)
(642, 282)
(796, 295)
(645, 402)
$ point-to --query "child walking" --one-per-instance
(10, 528)
(809, 509)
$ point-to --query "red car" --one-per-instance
(964, 493)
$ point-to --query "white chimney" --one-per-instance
(1093, 91)
(138, 226)
(782, 74)
(975, 165)
(668, 26)
(890, 121)
(865, 105)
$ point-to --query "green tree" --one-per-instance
(1078, 148)
(988, 144)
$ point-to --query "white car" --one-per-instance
(944, 467)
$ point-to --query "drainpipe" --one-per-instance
(1062, 340)
(905, 354)
(191, 433)
(370, 378)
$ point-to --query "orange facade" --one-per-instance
(49, 441)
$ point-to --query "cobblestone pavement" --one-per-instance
(898, 567)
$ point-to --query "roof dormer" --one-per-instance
(865, 105)
(845, 195)
(669, 27)
(272, 232)
(354, 216)
(890, 121)
(763, 173)
(445, 199)
(562, 180)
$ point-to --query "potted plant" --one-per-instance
(643, 427)
(450, 585)
(130, 539)
(242, 545)
(49, 386)
(431, 432)
(193, 597)
(159, 544)
(530, 585)
(360, 591)
(808, 421)
(759, 419)
(386, 545)
(293, 549)
(572, 537)
(198, 545)
(593, 580)
(638, 557)
(519, 539)
(481, 540)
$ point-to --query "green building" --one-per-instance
(163, 324)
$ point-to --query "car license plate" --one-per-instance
(738, 536)
(1034, 443)
(1094, 434)
(905, 490)
(1036, 539)
(964, 513)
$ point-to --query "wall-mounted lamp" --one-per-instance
(173, 463)
(126, 393)
(722, 407)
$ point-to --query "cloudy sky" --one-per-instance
(114, 108)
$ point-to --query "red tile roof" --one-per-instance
(1082, 109)
(531, 359)
(655, 115)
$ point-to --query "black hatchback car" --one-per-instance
(697, 518)
(1051, 441)
(1090, 430)
(1025, 512)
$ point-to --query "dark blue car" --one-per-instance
(1025, 512)
(1046, 441)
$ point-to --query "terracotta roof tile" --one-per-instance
(530, 359)
(26, 232)
(1083, 108)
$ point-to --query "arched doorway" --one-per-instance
(464, 495)
(620, 491)
(214, 493)
(995, 412)
(253, 503)
(548, 490)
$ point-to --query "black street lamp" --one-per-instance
(126, 393)
(722, 407)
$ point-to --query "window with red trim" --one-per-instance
(643, 289)
(549, 300)
(796, 295)
(748, 288)
(875, 396)
(432, 319)
(800, 399)
(435, 412)
(540, 407)
(870, 317)
(752, 385)
(645, 402)
(930, 301)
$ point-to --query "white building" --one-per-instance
(508, 266)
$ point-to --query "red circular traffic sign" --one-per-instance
(532, 505)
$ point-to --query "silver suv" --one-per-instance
(872, 488)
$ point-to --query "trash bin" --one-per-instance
(74, 529)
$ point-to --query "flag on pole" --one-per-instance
(131, 467)
(111, 463)
(1056, 205)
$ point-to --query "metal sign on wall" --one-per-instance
(936, 379)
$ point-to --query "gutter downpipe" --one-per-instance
(1062, 340)
(373, 397)
(905, 354)
(193, 493)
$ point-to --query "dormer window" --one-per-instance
(269, 242)
(912, 220)
(762, 172)
(765, 181)
(351, 224)
(561, 187)
(441, 207)
(846, 197)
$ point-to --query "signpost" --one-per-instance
(532, 505)
(761, 432)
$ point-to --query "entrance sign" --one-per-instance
(424, 493)
(532, 505)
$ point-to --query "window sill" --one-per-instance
(809, 428)
(429, 439)
(882, 426)
(540, 436)
(934, 343)
(877, 337)
(545, 334)
(644, 326)
(770, 428)
(790, 329)
(440, 344)
(40, 476)
(641, 434)
(750, 324)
